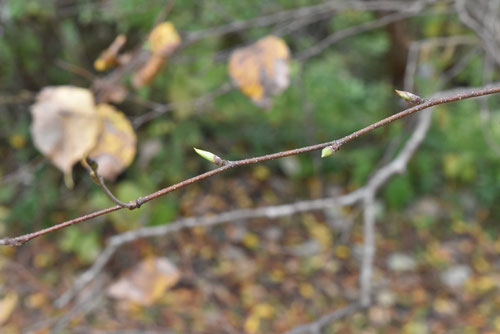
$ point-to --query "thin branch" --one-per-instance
(294, 14)
(269, 212)
(17, 241)
(160, 109)
(316, 326)
(348, 32)
(92, 167)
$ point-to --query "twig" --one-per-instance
(160, 109)
(294, 14)
(348, 32)
(17, 241)
(316, 326)
(92, 167)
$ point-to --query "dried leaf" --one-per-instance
(147, 72)
(65, 125)
(261, 70)
(164, 39)
(116, 143)
(146, 282)
(7, 306)
(109, 58)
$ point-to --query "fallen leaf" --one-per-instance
(7, 306)
(65, 125)
(146, 282)
(261, 70)
(116, 143)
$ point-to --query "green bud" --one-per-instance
(327, 151)
(205, 154)
(409, 97)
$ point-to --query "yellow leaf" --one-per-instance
(65, 125)
(261, 70)
(164, 39)
(7, 305)
(116, 143)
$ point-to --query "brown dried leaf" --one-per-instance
(261, 70)
(116, 144)
(109, 57)
(146, 282)
(147, 72)
(65, 125)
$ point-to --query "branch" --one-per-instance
(17, 241)
(318, 324)
(294, 14)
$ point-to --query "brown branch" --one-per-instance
(17, 241)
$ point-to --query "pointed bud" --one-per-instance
(205, 154)
(409, 97)
(327, 151)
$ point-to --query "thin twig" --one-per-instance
(17, 241)
(316, 326)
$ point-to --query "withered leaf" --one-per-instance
(146, 282)
(116, 143)
(65, 125)
(163, 41)
(261, 70)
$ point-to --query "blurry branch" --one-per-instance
(315, 327)
(270, 212)
(159, 109)
(417, 46)
(345, 33)
(294, 14)
(483, 17)
(23, 174)
(17, 241)
(24, 96)
(75, 69)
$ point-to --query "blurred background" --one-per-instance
(437, 268)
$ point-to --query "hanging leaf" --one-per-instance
(147, 72)
(261, 70)
(65, 125)
(163, 41)
(109, 58)
(146, 282)
(116, 143)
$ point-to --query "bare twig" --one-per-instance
(345, 33)
(160, 109)
(315, 327)
(17, 241)
(294, 14)
(92, 167)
